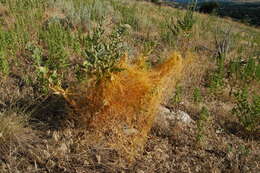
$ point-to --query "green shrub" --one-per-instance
(248, 113)
(216, 80)
(103, 52)
(45, 75)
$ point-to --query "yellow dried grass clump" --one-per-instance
(120, 111)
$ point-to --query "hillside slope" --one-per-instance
(82, 84)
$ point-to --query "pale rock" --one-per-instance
(46, 154)
(98, 157)
(183, 117)
(166, 118)
(63, 148)
(130, 131)
(50, 164)
(56, 136)
(139, 171)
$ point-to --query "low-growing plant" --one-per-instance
(4, 65)
(222, 46)
(202, 124)
(6, 39)
(57, 39)
(197, 97)
(216, 81)
(129, 16)
(247, 112)
(223, 43)
(244, 150)
(177, 98)
(245, 70)
(184, 24)
(149, 47)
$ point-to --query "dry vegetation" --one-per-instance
(81, 83)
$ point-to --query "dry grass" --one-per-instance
(11, 126)
(6, 19)
(12, 132)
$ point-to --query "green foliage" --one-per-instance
(222, 45)
(4, 65)
(57, 39)
(166, 35)
(45, 75)
(248, 113)
(103, 52)
(245, 71)
(197, 97)
(177, 98)
(202, 124)
(6, 40)
(184, 24)
(149, 47)
(129, 16)
(216, 78)
(244, 150)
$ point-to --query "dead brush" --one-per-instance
(128, 100)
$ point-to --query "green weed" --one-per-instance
(4, 65)
(184, 24)
(222, 46)
(245, 71)
(177, 98)
(248, 113)
(197, 97)
(129, 16)
(45, 75)
(202, 124)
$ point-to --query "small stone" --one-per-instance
(86, 162)
(139, 171)
(55, 136)
(46, 154)
(50, 164)
(98, 157)
(130, 131)
(166, 118)
(184, 117)
(63, 148)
